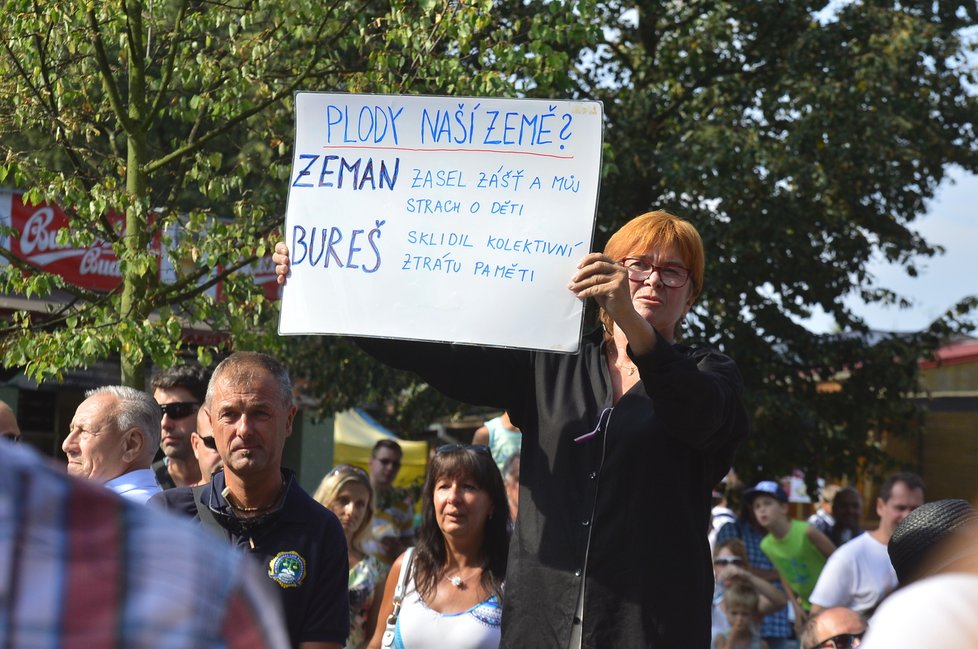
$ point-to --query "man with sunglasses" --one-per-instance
(390, 529)
(179, 390)
(205, 448)
(834, 628)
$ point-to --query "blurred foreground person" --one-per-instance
(85, 568)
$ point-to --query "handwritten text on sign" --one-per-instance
(440, 218)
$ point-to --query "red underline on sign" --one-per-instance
(404, 148)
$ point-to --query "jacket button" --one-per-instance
(585, 523)
(592, 475)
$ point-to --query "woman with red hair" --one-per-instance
(622, 445)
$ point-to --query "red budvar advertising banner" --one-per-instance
(96, 267)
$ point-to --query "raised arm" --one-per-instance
(820, 541)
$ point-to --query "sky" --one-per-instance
(951, 221)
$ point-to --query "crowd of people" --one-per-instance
(580, 518)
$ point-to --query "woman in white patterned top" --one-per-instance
(453, 597)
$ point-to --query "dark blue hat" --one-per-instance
(766, 488)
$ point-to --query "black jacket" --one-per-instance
(626, 509)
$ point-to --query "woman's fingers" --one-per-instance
(281, 260)
(597, 276)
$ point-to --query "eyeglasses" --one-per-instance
(727, 561)
(476, 448)
(179, 409)
(208, 441)
(843, 641)
(641, 268)
(10, 437)
(349, 469)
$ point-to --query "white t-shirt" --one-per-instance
(858, 575)
(934, 612)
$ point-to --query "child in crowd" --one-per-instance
(741, 606)
(798, 550)
(730, 564)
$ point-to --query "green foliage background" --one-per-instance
(801, 141)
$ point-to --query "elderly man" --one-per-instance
(113, 437)
(259, 507)
(833, 628)
(859, 575)
(179, 390)
(9, 429)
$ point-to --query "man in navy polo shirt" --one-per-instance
(259, 507)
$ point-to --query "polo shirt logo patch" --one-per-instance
(287, 569)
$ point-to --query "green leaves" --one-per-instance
(800, 149)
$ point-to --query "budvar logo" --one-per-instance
(39, 245)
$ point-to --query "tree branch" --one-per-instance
(115, 99)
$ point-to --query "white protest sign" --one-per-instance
(440, 218)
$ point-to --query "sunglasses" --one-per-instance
(843, 641)
(180, 409)
(349, 469)
(208, 441)
(726, 561)
(475, 448)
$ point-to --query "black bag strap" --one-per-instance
(204, 513)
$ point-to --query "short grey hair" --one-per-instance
(243, 366)
(135, 409)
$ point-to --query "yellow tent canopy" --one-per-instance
(354, 435)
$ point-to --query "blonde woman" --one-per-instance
(346, 492)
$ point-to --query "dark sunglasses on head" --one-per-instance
(208, 441)
(843, 641)
(476, 448)
(726, 561)
(180, 409)
(349, 469)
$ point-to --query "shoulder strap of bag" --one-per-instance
(388, 640)
(204, 513)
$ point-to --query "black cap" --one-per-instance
(912, 545)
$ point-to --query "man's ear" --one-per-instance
(133, 444)
(292, 412)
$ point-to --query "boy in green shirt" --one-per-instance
(797, 550)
